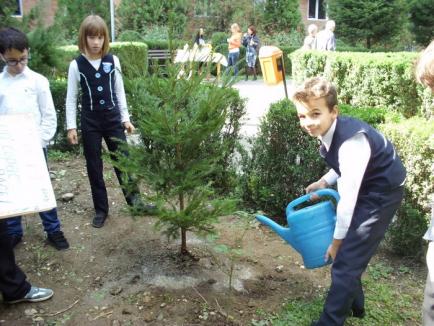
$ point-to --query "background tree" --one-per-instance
(369, 21)
(422, 20)
(282, 15)
(138, 15)
(70, 14)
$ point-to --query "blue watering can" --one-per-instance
(310, 229)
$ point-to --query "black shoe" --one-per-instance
(16, 239)
(98, 221)
(58, 240)
(357, 313)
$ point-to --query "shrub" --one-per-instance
(364, 79)
(414, 141)
(132, 55)
(283, 161)
(45, 56)
(130, 36)
(58, 91)
(372, 116)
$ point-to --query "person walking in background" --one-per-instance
(325, 39)
(251, 42)
(425, 76)
(234, 44)
(104, 112)
(24, 91)
(200, 38)
(310, 40)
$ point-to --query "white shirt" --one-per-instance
(325, 40)
(354, 155)
(74, 84)
(29, 92)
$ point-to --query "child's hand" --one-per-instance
(320, 184)
(72, 136)
(129, 127)
(333, 249)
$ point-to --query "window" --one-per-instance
(316, 9)
(202, 8)
(19, 11)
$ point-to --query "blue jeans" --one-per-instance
(50, 221)
(232, 62)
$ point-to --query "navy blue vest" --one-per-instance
(97, 86)
(385, 170)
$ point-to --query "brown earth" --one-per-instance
(129, 274)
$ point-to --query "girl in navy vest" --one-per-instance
(370, 178)
(104, 113)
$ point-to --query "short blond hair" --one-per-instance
(312, 28)
(425, 67)
(316, 88)
(93, 25)
(236, 27)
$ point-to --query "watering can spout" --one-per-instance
(284, 233)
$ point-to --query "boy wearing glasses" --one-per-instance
(24, 91)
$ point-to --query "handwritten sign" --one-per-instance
(25, 185)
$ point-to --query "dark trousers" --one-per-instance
(50, 220)
(13, 284)
(372, 215)
(96, 126)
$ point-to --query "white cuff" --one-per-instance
(340, 233)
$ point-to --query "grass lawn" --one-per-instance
(393, 297)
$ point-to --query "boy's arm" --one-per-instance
(354, 155)
(48, 113)
(120, 91)
(72, 95)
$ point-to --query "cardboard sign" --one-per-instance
(25, 185)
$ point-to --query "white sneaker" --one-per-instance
(35, 295)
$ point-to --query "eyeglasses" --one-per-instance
(13, 62)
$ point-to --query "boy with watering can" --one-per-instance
(370, 177)
(425, 76)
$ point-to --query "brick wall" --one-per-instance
(304, 10)
(48, 11)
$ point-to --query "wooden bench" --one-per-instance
(159, 57)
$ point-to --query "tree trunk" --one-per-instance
(184, 250)
(368, 42)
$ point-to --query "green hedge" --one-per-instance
(366, 79)
(414, 142)
(58, 91)
(283, 161)
(132, 55)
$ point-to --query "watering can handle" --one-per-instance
(302, 199)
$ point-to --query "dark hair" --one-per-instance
(12, 38)
(253, 29)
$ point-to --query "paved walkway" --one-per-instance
(259, 97)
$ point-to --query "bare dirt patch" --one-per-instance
(129, 274)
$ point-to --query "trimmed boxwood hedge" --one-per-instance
(367, 79)
(414, 141)
(132, 55)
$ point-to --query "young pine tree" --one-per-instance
(178, 120)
